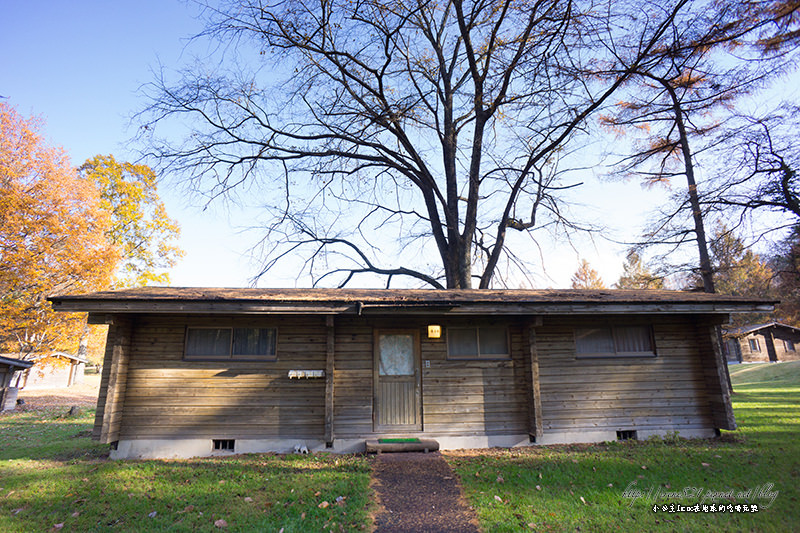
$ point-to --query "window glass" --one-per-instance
(396, 355)
(493, 341)
(253, 341)
(614, 341)
(462, 342)
(231, 343)
(634, 339)
(594, 340)
(788, 345)
(490, 342)
(208, 342)
(754, 346)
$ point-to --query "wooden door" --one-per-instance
(397, 398)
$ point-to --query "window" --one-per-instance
(244, 344)
(614, 341)
(754, 345)
(478, 343)
(788, 345)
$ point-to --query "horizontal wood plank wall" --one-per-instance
(470, 398)
(667, 392)
(169, 397)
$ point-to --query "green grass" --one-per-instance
(581, 488)
(51, 473)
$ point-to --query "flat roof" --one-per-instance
(198, 300)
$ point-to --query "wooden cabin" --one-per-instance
(192, 371)
(770, 342)
(9, 366)
(53, 370)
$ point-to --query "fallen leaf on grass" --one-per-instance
(644, 467)
(340, 500)
(58, 526)
(705, 464)
(248, 499)
(317, 493)
(500, 479)
(584, 501)
(302, 516)
(610, 485)
(323, 505)
(187, 509)
(538, 487)
(17, 511)
(221, 523)
(498, 498)
(76, 514)
(153, 514)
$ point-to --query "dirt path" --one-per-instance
(83, 395)
(419, 492)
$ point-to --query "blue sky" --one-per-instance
(79, 65)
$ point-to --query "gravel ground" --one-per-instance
(82, 395)
(419, 492)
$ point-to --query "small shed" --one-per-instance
(770, 342)
(53, 371)
(8, 394)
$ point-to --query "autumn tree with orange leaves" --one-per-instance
(52, 238)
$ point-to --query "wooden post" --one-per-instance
(116, 361)
(330, 367)
(721, 407)
(536, 426)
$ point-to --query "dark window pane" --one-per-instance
(594, 340)
(634, 339)
(253, 342)
(208, 342)
(462, 342)
(493, 341)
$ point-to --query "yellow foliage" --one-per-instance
(140, 225)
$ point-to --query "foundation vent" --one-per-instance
(224, 445)
(626, 434)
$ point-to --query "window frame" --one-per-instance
(230, 356)
(616, 354)
(754, 345)
(789, 346)
(478, 357)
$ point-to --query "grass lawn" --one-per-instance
(583, 487)
(53, 477)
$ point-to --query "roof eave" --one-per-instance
(405, 307)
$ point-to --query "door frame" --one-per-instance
(395, 428)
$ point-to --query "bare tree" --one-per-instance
(678, 101)
(435, 124)
(758, 164)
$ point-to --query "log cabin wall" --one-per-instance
(169, 397)
(644, 394)
(459, 397)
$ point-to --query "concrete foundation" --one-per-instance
(186, 448)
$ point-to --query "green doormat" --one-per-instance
(388, 441)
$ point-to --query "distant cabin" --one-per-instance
(52, 371)
(204, 371)
(769, 342)
(9, 367)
